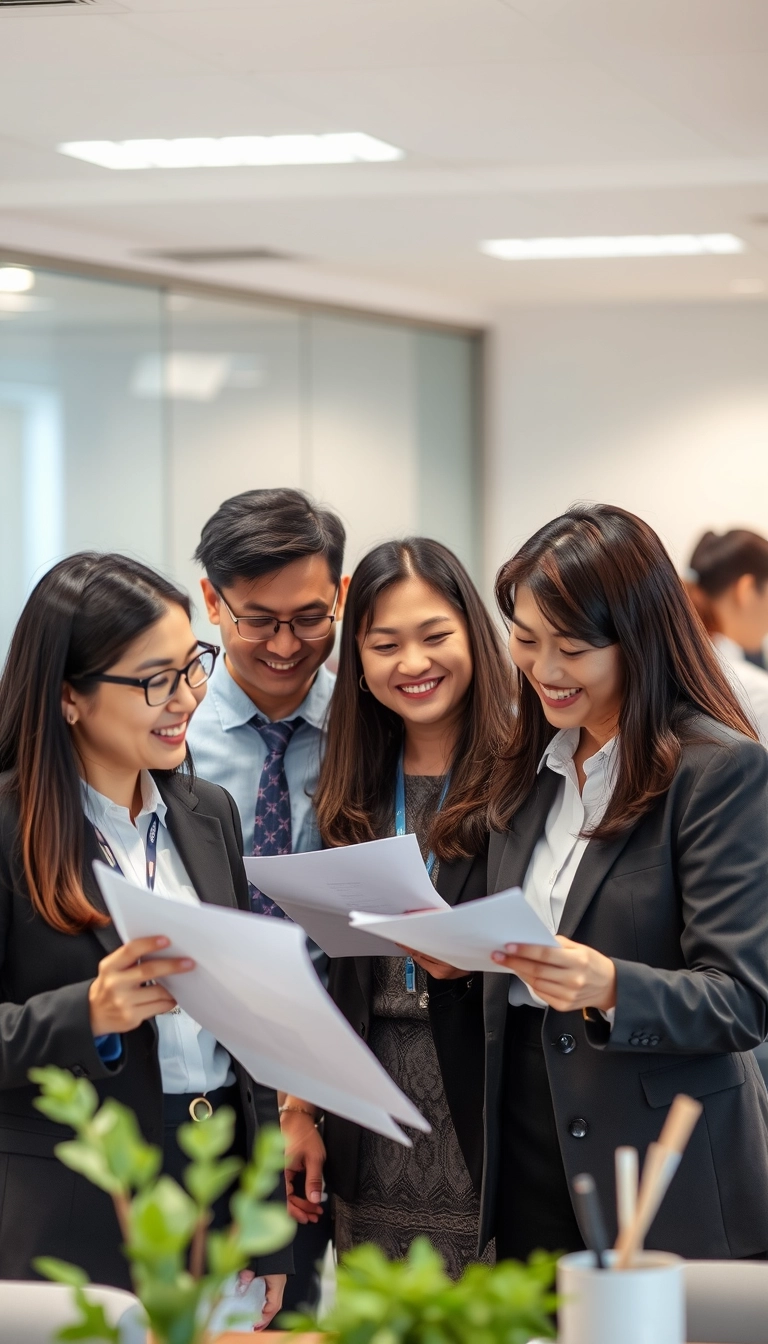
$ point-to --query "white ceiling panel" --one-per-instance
(36, 46)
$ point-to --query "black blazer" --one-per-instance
(680, 903)
(44, 1019)
(455, 1014)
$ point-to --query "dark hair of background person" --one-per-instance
(601, 575)
(260, 531)
(78, 621)
(720, 561)
(354, 797)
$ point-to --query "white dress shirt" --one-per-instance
(191, 1059)
(560, 849)
(749, 682)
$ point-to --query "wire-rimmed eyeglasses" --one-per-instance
(306, 626)
(162, 686)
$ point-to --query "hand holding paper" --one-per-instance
(466, 936)
(255, 989)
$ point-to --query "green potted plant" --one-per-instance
(178, 1266)
(413, 1301)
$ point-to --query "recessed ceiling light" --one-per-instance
(234, 151)
(630, 245)
(16, 279)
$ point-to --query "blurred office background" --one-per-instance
(170, 335)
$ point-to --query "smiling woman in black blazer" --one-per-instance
(632, 808)
(103, 675)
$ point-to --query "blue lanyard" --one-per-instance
(109, 854)
(400, 829)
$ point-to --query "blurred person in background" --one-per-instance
(421, 705)
(727, 580)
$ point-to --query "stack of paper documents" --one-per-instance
(320, 890)
(466, 936)
(255, 989)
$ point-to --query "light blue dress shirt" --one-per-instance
(191, 1059)
(228, 750)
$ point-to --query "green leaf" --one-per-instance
(65, 1099)
(261, 1228)
(133, 1161)
(60, 1271)
(224, 1255)
(204, 1140)
(87, 1160)
(205, 1181)
(93, 1323)
(162, 1220)
(172, 1307)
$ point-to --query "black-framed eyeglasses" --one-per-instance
(309, 626)
(162, 686)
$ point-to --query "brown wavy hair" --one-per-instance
(601, 575)
(720, 561)
(354, 797)
(78, 621)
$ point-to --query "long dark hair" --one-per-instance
(79, 620)
(354, 795)
(601, 575)
(720, 561)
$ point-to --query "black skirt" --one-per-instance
(534, 1209)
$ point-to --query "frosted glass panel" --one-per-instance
(233, 379)
(129, 412)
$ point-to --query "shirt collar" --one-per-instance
(729, 648)
(98, 807)
(235, 708)
(560, 751)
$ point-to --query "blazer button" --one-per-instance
(566, 1043)
(578, 1128)
(78, 1070)
(645, 1040)
(654, 1040)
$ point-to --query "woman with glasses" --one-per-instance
(103, 676)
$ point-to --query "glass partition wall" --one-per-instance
(129, 412)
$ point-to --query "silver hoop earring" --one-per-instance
(360, 683)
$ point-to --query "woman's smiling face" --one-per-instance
(416, 656)
(580, 685)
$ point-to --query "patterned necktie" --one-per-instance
(272, 822)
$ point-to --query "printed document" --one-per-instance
(466, 935)
(255, 989)
(320, 890)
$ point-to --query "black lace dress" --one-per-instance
(425, 1190)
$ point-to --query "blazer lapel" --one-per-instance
(510, 854)
(199, 840)
(596, 861)
(451, 878)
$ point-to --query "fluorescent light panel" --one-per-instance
(16, 279)
(629, 245)
(234, 151)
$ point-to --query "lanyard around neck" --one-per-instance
(109, 853)
(400, 829)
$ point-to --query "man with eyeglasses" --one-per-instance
(273, 585)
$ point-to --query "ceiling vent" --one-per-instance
(211, 256)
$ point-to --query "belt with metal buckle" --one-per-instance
(205, 1113)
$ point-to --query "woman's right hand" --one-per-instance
(123, 996)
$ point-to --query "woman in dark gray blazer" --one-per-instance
(632, 808)
(103, 675)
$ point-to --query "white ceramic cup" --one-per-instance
(642, 1305)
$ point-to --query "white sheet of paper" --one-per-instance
(466, 935)
(320, 890)
(255, 989)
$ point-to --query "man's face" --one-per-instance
(276, 667)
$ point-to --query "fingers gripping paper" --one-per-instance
(255, 989)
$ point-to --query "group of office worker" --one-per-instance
(613, 767)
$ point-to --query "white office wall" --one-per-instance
(663, 410)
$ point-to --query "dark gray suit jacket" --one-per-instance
(44, 1019)
(680, 903)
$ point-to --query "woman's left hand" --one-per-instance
(274, 1287)
(441, 970)
(567, 977)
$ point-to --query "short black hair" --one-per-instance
(260, 531)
